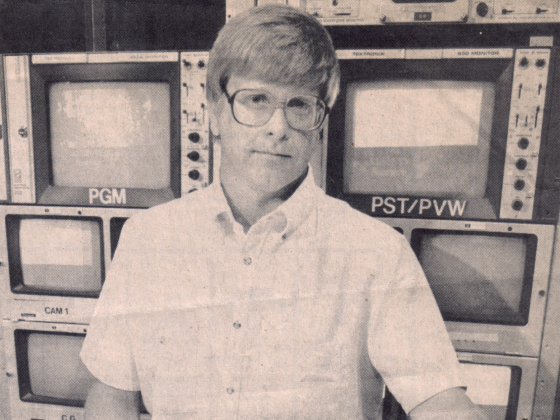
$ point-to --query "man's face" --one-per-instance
(265, 158)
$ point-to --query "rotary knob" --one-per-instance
(523, 143)
(517, 205)
(194, 174)
(194, 155)
(482, 9)
(194, 137)
(521, 164)
(519, 184)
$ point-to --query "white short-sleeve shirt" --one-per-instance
(304, 317)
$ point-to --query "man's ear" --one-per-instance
(212, 114)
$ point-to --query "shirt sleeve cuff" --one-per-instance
(414, 390)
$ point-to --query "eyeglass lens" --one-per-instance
(255, 108)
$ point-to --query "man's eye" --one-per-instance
(300, 104)
(258, 99)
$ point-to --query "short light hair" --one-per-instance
(274, 44)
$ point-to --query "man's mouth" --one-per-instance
(264, 152)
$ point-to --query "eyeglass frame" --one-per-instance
(231, 98)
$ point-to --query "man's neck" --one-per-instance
(248, 205)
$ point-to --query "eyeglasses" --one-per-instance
(255, 108)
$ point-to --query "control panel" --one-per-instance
(510, 11)
(386, 12)
(524, 133)
(195, 128)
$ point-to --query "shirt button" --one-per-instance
(230, 391)
(247, 260)
(236, 325)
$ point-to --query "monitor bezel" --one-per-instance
(57, 307)
(25, 410)
(43, 75)
(21, 339)
(497, 338)
(529, 267)
(525, 394)
(520, 400)
(13, 224)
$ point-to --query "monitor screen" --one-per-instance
(110, 134)
(418, 137)
(478, 277)
(55, 255)
(50, 369)
(493, 388)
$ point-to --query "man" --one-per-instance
(260, 297)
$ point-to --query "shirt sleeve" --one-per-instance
(106, 351)
(408, 343)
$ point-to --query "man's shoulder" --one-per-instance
(189, 205)
(343, 227)
(184, 215)
(367, 242)
(339, 216)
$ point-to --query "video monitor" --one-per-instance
(55, 255)
(106, 129)
(50, 372)
(478, 277)
(499, 390)
(49, 368)
(494, 388)
(418, 137)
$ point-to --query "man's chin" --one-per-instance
(280, 186)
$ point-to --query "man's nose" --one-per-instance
(278, 124)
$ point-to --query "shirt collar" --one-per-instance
(286, 219)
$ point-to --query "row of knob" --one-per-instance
(520, 164)
(482, 10)
(194, 155)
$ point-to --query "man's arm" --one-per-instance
(452, 404)
(107, 403)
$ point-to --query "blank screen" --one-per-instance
(418, 137)
(489, 386)
(60, 255)
(110, 134)
(478, 277)
(55, 368)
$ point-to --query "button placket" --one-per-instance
(232, 369)
(250, 246)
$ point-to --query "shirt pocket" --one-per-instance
(320, 365)
(319, 361)
(322, 339)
